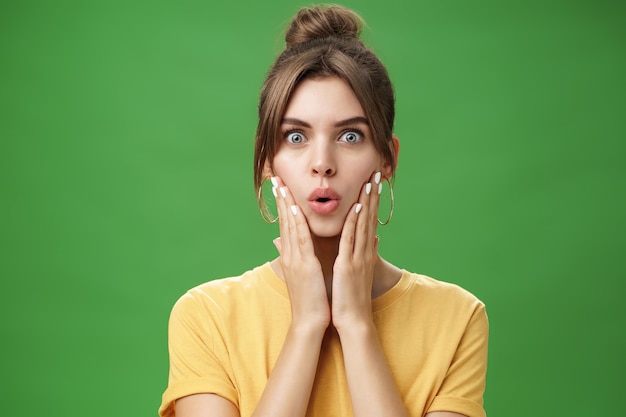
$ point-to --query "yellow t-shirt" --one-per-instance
(225, 336)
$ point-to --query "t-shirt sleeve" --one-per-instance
(464, 385)
(198, 358)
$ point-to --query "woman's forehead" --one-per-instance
(329, 99)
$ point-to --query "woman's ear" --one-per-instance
(389, 168)
(267, 170)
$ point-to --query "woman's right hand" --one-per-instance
(300, 268)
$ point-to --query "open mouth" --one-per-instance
(324, 201)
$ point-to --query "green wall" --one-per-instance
(126, 178)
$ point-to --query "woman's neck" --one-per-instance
(326, 250)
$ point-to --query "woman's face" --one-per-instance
(327, 152)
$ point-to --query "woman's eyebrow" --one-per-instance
(293, 121)
(352, 121)
(341, 123)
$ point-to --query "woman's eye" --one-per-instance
(295, 137)
(351, 137)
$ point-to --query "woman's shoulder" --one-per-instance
(225, 290)
(439, 291)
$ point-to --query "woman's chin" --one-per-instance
(326, 229)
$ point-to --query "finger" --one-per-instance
(377, 187)
(295, 232)
(283, 217)
(346, 242)
(300, 235)
(305, 242)
(363, 225)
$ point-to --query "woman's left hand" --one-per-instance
(353, 271)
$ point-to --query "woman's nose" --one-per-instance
(323, 161)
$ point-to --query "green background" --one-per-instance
(126, 131)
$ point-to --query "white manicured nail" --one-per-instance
(274, 182)
(368, 188)
(274, 192)
(380, 188)
(283, 192)
(358, 208)
(377, 178)
(294, 210)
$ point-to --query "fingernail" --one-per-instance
(274, 192)
(368, 188)
(274, 182)
(380, 188)
(377, 178)
(294, 210)
(358, 208)
(283, 192)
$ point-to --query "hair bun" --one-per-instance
(323, 22)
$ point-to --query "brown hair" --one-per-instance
(323, 42)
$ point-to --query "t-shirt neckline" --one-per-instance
(382, 301)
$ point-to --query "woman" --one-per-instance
(329, 328)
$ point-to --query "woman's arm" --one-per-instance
(372, 388)
(289, 386)
(288, 389)
(444, 414)
(205, 405)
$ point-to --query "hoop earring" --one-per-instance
(265, 211)
(390, 182)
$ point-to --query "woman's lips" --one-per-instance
(323, 200)
(324, 207)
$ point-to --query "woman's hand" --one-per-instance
(300, 267)
(372, 387)
(353, 271)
